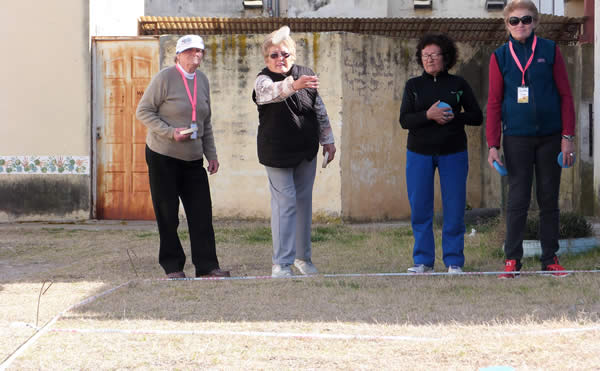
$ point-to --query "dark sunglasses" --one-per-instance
(526, 19)
(276, 55)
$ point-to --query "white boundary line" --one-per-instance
(335, 275)
(42, 330)
(312, 335)
(309, 335)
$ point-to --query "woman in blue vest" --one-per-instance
(436, 106)
(293, 121)
(530, 102)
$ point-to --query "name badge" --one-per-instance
(523, 94)
(194, 135)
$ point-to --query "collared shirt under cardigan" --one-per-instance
(165, 106)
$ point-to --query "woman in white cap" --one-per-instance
(293, 121)
(176, 109)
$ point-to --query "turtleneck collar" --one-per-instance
(189, 76)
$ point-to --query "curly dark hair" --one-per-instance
(446, 44)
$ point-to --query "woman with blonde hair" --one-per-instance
(292, 122)
(530, 102)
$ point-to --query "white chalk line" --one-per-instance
(270, 334)
(246, 333)
(42, 330)
(391, 274)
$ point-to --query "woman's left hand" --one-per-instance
(213, 166)
(440, 115)
(331, 149)
(567, 148)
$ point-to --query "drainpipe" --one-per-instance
(276, 2)
(596, 115)
(588, 22)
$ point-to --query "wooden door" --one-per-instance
(123, 69)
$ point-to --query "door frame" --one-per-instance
(95, 111)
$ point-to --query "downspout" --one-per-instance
(277, 14)
(588, 22)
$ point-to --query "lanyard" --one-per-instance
(187, 89)
(512, 51)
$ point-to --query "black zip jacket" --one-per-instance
(427, 137)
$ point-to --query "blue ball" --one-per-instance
(559, 159)
(500, 169)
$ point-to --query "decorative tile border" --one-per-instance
(45, 165)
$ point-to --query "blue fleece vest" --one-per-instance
(541, 116)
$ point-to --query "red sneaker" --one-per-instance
(556, 267)
(510, 265)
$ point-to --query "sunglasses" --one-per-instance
(526, 19)
(282, 54)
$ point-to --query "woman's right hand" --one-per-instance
(493, 155)
(440, 115)
(305, 81)
(181, 137)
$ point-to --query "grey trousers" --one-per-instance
(291, 211)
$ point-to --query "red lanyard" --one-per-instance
(512, 51)
(187, 88)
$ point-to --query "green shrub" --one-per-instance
(571, 225)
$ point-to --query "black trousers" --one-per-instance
(524, 156)
(170, 180)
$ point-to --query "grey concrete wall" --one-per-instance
(362, 81)
(186, 8)
(386, 8)
(374, 144)
(240, 189)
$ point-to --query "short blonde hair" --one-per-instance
(520, 4)
(288, 42)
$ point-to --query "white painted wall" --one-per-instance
(44, 74)
(115, 17)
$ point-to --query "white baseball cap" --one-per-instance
(189, 41)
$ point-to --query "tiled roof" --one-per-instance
(560, 29)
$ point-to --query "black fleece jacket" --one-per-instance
(427, 137)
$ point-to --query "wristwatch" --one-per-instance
(570, 138)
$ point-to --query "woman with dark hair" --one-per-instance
(530, 102)
(435, 108)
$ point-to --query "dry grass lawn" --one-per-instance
(465, 322)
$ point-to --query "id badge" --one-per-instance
(194, 135)
(523, 94)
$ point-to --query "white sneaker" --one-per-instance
(454, 269)
(278, 271)
(420, 268)
(305, 267)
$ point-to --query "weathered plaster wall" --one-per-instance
(374, 144)
(44, 100)
(240, 188)
(362, 82)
